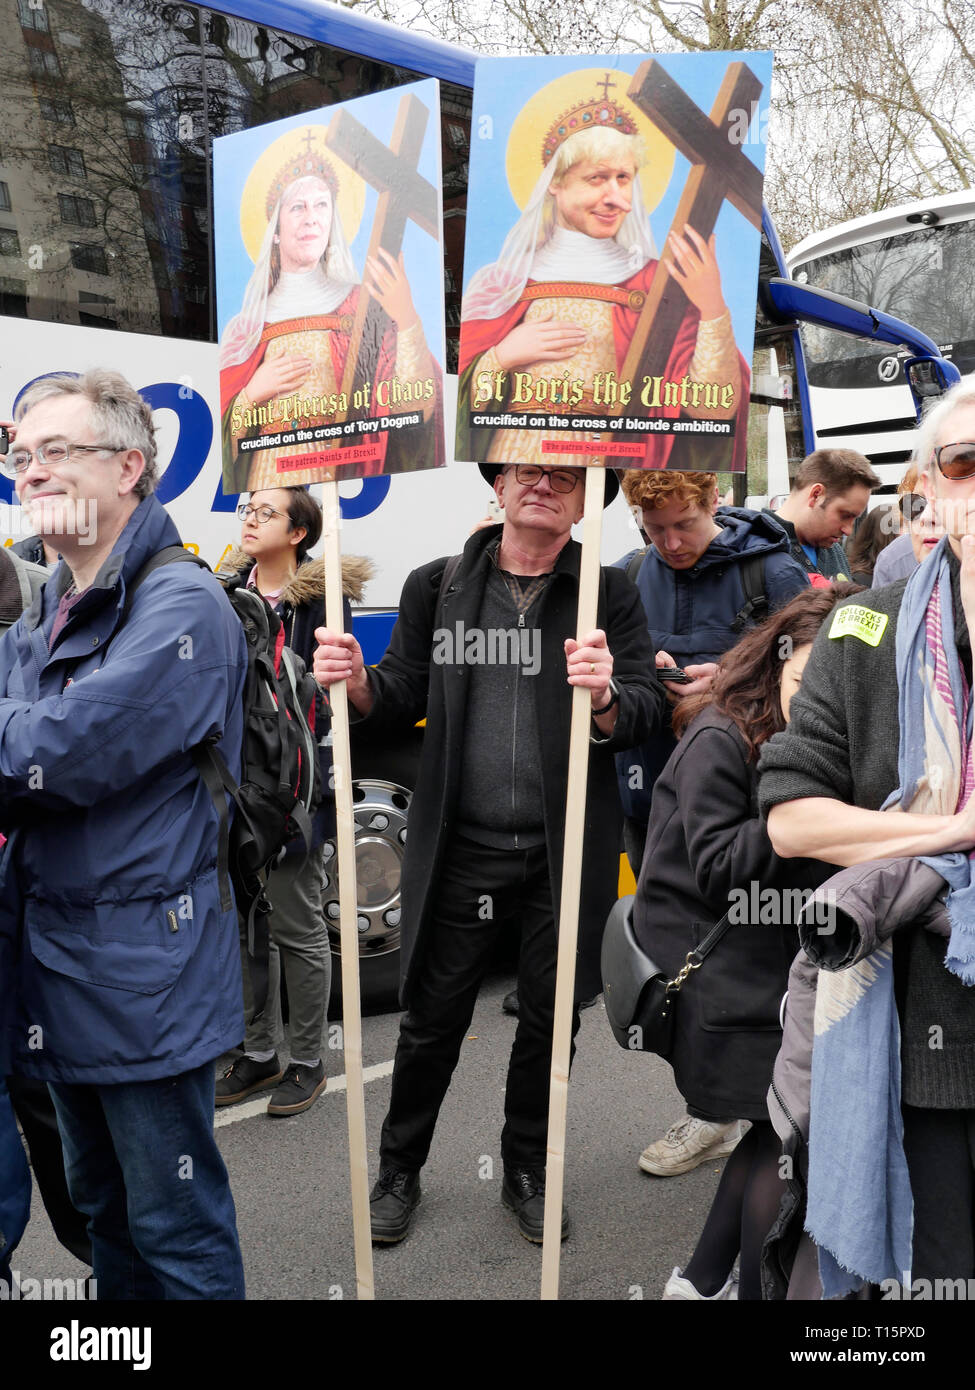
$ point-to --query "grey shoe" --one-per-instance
(689, 1143)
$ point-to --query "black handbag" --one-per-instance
(640, 999)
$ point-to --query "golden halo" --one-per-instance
(523, 160)
(352, 189)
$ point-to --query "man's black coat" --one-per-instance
(408, 685)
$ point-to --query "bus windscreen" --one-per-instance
(925, 276)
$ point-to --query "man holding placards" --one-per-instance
(482, 648)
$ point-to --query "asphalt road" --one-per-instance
(291, 1186)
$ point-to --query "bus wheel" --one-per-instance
(382, 788)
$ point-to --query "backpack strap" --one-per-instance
(636, 564)
(208, 761)
(170, 554)
(755, 607)
(216, 777)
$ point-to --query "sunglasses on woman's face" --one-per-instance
(956, 461)
(912, 504)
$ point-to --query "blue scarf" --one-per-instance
(860, 1210)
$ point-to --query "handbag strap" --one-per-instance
(696, 958)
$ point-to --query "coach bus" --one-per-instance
(109, 112)
(917, 261)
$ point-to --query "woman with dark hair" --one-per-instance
(708, 854)
(875, 532)
(279, 526)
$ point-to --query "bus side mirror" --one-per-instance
(927, 376)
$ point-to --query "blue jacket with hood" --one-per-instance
(690, 615)
(117, 962)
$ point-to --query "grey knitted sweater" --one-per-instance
(842, 743)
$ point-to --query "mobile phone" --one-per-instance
(675, 674)
(4, 440)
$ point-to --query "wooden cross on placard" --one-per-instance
(719, 170)
(404, 194)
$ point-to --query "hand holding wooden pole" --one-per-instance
(345, 839)
(575, 824)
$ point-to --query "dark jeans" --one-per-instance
(143, 1165)
(480, 890)
(35, 1110)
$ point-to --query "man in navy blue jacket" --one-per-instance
(118, 935)
(692, 585)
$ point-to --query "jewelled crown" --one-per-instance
(585, 116)
(308, 161)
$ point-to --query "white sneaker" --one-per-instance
(678, 1288)
(688, 1143)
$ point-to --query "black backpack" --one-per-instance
(752, 571)
(280, 783)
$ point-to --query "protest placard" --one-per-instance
(580, 339)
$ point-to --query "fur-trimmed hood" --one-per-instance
(309, 582)
(19, 582)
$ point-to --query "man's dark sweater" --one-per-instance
(831, 561)
(501, 792)
(842, 744)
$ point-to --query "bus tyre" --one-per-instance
(382, 788)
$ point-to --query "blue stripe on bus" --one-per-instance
(372, 631)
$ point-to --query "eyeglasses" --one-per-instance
(52, 453)
(261, 515)
(559, 479)
(911, 504)
(956, 461)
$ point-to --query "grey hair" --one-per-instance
(123, 417)
(962, 393)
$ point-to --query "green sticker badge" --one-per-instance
(856, 621)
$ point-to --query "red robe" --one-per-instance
(233, 380)
(478, 335)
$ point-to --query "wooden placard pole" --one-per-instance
(575, 825)
(403, 194)
(348, 912)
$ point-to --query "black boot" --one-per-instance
(523, 1192)
(392, 1202)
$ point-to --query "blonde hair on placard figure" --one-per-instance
(494, 288)
(600, 144)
